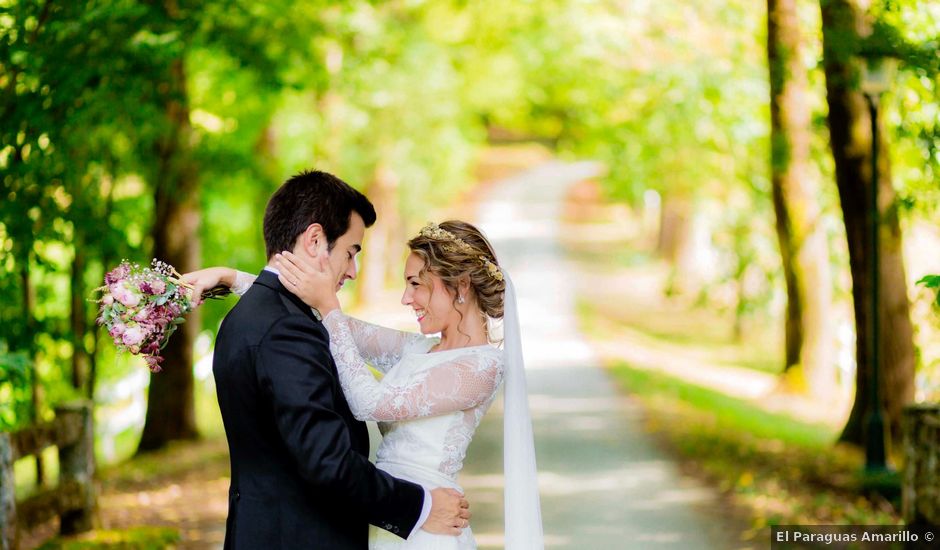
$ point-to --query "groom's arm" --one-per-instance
(294, 369)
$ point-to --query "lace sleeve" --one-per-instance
(381, 347)
(243, 282)
(454, 385)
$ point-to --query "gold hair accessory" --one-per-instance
(433, 231)
(492, 269)
(456, 244)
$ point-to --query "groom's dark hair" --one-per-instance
(312, 197)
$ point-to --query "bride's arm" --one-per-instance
(381, 347)
(454, 385)
(315, 284)
(242, 282)
(210, 277)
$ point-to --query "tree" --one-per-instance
(795, 193)
(844, 24)
(97, 100)
(174, 172)
(170, 408)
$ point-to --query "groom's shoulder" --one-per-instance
(263, 309)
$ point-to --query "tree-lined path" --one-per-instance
(749, 268)
(604, 484)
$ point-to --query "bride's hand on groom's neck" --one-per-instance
(313, 282)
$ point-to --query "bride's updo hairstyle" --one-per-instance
(455, 249)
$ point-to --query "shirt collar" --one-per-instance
(278, 273)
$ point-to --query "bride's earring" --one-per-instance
(460, 299)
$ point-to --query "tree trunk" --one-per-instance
(851, 138)
(379, 262)
(800, 235)
(678, 235)
(675, 228)
(170, 408)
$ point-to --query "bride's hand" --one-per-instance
(315, 283)
(208, 278)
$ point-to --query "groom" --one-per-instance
(301, 477)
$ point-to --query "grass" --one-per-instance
(776, 469)
(701, 334)
(722, 413)
(137, 538)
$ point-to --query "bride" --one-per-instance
(433, 391)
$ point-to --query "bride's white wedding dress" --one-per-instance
(427, 405)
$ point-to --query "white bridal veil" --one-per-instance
(523, 515)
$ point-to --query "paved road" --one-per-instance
(604, 484)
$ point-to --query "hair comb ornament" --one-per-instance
(453, 243)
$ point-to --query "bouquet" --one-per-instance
(141, 307)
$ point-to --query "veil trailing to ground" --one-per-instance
(523, 514)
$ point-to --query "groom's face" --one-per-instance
(345, 248)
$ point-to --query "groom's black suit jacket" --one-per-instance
(301, 477)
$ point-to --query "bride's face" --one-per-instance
(432, 302)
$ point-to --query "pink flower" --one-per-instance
(117, 330)
(117, 274)
(143, 314)
(132, 337)
(107, 300)
(157, 287)
(154, 287)
(153, 361)
(124, 295)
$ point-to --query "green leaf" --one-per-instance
(933, 282)
(930, 281)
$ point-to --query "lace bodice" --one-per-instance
(427, 405)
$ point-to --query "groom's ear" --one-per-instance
(312, 239)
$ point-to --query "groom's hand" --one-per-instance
(450, 513)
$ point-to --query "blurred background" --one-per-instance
(700, 177)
